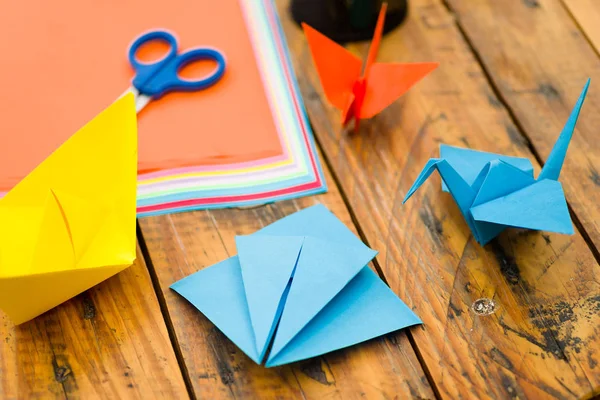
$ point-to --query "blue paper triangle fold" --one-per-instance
(218, 291)
(365, 309)
(540, 206)
(267, 264)
(324, 269)
(301, 284)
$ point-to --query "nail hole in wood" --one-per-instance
(483, 307)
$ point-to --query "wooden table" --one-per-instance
(510, 72)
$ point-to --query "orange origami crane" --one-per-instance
(361, 91)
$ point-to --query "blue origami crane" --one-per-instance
(494, 191)
(301, 287)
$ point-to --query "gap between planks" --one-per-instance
(165, 312)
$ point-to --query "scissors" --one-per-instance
(155, 79)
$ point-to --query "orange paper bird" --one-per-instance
(361, 91)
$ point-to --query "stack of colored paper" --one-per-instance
(296, 172)
(242, 142)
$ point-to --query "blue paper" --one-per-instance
(301, 284)
(364, 309)
(494, 191)
(222, 285)
(469, 163)
(323, 270)
(266, 279)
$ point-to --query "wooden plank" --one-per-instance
(182, 244)
(586, 14)
(109, 342)
(545, 61)
(542, 339)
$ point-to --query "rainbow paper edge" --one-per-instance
(258, 15)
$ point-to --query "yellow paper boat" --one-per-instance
(70, 224)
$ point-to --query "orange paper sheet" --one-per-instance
(62, 63)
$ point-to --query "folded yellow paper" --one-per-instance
(70, 224)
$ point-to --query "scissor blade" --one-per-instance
(141, 100)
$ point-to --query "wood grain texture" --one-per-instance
(108, 342)
(539, 66)
(586, 14)
(542, 339)
(182, 244)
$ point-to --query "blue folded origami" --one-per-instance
(301, 287)
(494, 191)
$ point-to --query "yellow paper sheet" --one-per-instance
(70, 224)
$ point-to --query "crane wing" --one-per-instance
(338, 68)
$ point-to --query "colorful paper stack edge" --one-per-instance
(297, 172)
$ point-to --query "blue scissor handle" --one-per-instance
(158, 78)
